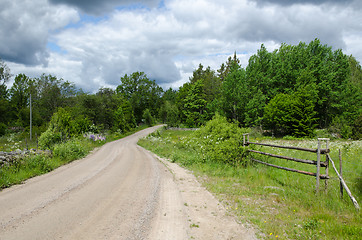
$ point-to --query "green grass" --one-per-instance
(63, 153)
(281, 204)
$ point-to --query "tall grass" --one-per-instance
(282, 205)
(63, 153)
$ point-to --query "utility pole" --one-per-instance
(30, 117)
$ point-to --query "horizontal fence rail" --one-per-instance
(323, 151)
(323, 164)
(291, 169)
(319, 151)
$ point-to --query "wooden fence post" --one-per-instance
(340, 172)
(244, 140)
(354, 201)
(318, 165)
(327, 162)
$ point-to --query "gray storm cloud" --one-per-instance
(164, 42)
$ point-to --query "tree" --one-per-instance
(225, 68)
(195, 105)
(291, 114)
(235, 94)
(141, 92)
(49, 93)
(147, 117)
(124, 119)
(5, 75)
(169, 114)
(211, 83)
(259, 71)
(119, 119)
(4, 102)
(254, 109)
(20, 92)
(109, 102)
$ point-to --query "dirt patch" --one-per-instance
(206, 217)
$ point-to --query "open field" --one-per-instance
(282, 205)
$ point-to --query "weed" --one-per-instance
(193, 225)
(276, 201)
(63, 153)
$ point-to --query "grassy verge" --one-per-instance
(63, 153)
(282, 205)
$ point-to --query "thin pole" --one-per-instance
(318, 165)
(30, 117)
(327, 168)
(354, 201)
(340, 171)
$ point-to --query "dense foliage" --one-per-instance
(221, 141)
(290, 91)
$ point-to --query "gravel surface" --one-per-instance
(120, 191)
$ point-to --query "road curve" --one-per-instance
(114, 193)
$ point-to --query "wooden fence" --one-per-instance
(318, 163)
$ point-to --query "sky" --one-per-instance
(93, 43)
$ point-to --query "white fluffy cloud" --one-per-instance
(169, 42)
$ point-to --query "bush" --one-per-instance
(148, 117)
(48, 138)
(221, 141)
(63, 126)
(69, 151)
(39, 163)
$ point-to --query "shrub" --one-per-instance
(70, 150)
(148, 117)
(39, 163)
(221, 141)
(63, 126)
(48, 138)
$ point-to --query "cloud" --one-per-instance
(314, 2)
(97, 7)
(289, 25)
(25, 27)
(167, 43)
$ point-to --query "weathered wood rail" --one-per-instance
(319, 151)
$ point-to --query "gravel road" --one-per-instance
(120, 191)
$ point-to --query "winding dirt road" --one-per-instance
(120, 191)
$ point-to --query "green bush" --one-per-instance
(70, 150)
(63, 126)
(48, 138)
(148, 117)
(221, 141)
(39, 163)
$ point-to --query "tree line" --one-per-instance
(290, 91)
